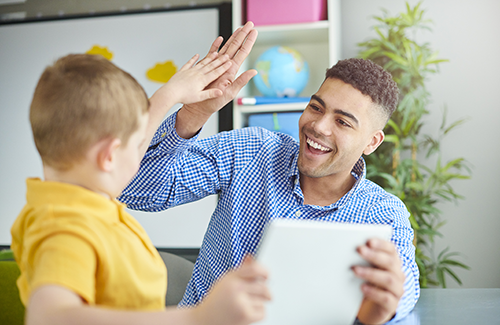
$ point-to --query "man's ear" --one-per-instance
(376, 140)
(106, 154)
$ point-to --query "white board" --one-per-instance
(138, 41)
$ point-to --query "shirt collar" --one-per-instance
(46, 192)
(358, 172)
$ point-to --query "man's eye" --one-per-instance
(343, 123)
(314, 108)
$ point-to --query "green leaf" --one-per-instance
(450, 272)
(396, 58)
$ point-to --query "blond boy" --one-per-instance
(83, 258)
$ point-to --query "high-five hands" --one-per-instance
(193, 116)
(205, 87)
(384, 284)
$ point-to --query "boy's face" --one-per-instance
(128, 158)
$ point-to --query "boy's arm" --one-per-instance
(237, 299)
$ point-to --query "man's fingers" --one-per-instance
(381, 254)
(379, 296)
(241, 81)
(246, 48)
(233, 45)
(215, 45)
(384, 280)
(223, 50)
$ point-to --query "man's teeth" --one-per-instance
(316, 145)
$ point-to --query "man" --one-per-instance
(262, 175)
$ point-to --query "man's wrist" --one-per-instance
(189, 122)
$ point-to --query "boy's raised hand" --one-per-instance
(238, 298)
(189, 84)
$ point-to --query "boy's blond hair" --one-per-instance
(80, 100)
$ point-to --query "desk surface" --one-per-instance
(455, 306)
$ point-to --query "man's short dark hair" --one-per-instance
(370, 79)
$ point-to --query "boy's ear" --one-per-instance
(106, 155)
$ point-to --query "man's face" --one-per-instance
(336, 128)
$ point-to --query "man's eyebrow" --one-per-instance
(318, 99)
(346, 114)
(336, 111)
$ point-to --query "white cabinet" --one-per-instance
(318, 42)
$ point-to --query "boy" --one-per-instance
(83, 259)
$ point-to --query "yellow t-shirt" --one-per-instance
(72, 237)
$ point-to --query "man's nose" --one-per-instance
(323, 126)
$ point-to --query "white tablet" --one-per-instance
(310, 276)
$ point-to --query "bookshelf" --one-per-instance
(318, 42)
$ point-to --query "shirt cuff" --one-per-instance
(166, 138)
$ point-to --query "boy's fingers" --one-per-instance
(206, 60)
(219, 62)
(260, 290)
(190, 63)
(209, 94)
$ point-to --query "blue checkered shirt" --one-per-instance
(256, 175)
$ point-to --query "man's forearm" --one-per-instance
(190, 121)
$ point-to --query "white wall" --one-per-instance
(466, 33)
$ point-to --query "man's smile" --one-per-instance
(316, 145)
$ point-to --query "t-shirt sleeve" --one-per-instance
(66, 260)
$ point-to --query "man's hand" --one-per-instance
(193, 116)
(384, 284)
(238, 298)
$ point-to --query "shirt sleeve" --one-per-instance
(65, 260)
(174, 171)
(394, 211)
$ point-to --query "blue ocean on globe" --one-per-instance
(282, 72)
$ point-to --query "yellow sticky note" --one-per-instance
(101, 50)
(162, 72)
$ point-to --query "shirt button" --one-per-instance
(164, 134)
(298, 214)
(296, 181)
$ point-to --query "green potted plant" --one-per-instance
(409, 164)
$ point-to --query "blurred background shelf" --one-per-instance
(318, 42)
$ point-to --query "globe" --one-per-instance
(282, 72)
